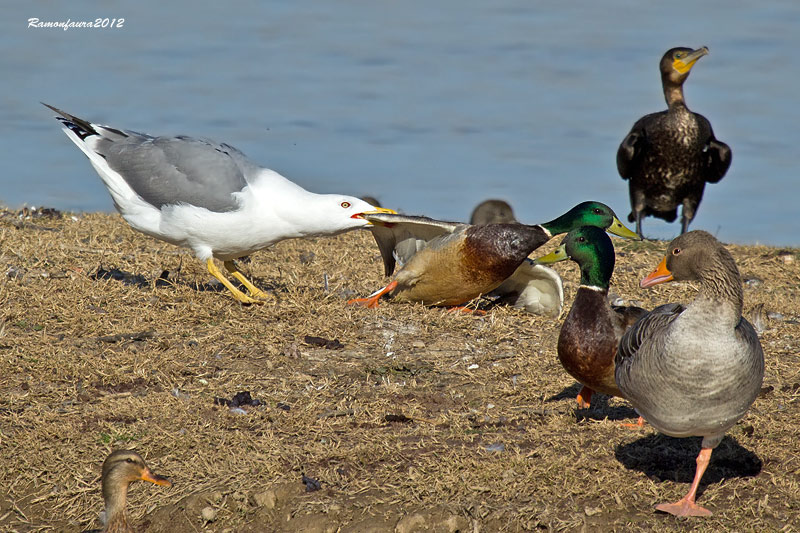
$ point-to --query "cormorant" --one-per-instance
(669, 156)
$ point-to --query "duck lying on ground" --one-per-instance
(450, 263)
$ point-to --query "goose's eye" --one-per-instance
(345, 204)
(676, 251)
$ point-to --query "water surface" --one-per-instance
(430, 107)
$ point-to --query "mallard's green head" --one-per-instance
(592, 249)
(589, 214)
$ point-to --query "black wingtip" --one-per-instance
(81, 127)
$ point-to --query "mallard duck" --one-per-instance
(450, 263)
(591, 332)
(208, 196)
(693, 370)
(120, 469)
(670, 156)
(492, 212)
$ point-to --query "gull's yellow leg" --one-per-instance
(254, 291)
(239, 295)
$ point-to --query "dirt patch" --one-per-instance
(408, 419)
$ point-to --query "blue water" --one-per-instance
(429, 106)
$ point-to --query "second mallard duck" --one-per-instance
(591, 332)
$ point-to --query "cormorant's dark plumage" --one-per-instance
(669, 156)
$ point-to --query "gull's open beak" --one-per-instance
(147, 475)
(618, 228)
(559, 254)
(660, 275)
(685, 64)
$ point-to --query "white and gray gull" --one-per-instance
(208, 196)
(693, 370)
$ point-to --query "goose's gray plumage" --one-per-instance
(693, 370)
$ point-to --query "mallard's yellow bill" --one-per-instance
(559, 254)
(618, 228)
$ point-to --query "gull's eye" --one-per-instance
(345, 204)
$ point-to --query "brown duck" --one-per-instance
(492, 212)
(120, 469)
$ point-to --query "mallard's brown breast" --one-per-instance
(588, 343)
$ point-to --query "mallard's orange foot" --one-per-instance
(584, 397)
(369, 303)
(683, 507)
(465, 309)
(639, 424)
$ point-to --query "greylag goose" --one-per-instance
(693, 370)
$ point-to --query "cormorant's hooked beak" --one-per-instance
(559, 254)
(618, 228)
(685, 64)
(660, 275)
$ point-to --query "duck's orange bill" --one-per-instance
(147, 475)
(659, 275)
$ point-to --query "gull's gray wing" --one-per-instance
(536, 288)
(399, 237)
(168, 170)
(172, 170)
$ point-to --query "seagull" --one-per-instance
(208, 196)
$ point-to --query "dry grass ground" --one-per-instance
(423, 421)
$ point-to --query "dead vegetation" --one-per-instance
(415, 419)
